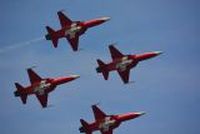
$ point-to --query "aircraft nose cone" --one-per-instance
(105, 18)
(75, 76)
(158, 52)
(140, 113)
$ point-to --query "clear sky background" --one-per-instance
(166, 87)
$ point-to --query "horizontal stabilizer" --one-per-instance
(19, 87)
(52, 35)
(102, 69)
(85, 127)
(100, 62)
(20, 93)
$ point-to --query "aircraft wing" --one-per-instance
(124, 75)
(107, 132)
(64, 20)
(33, 76)
(115, 53)
(74, 42)
(98, 114)
(43, 99)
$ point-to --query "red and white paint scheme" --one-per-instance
(122, 63)
(41, 87)
(71, 30)
(106, 123)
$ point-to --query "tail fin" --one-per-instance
(19, 92)
(52, 36)
(85, 127)
(102, 69)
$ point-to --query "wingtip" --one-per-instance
(126, 82)
(113, 45)
(75, 49)
(31, 67)
(47, 27)
(96, 104)
(44, 107)
(60, 12)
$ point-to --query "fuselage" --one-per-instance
(77, 28)
(127, 61)
(45, 86)
(122, 64)
(111, 122)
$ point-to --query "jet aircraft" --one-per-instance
(71, 30)
(106, 123)
(122, 63)
(41, 87)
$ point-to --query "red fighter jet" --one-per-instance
(71, 30)
(106, 123)
(41, 87)
(122, 63)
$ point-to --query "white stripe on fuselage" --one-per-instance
(74, 28)
(40, 89)
(124, 63)
(105, 126)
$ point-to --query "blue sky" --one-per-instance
(166, 87)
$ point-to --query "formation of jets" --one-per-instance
(41, 87)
